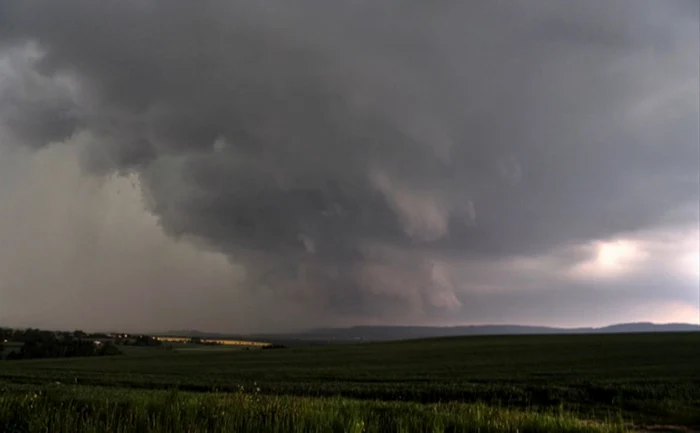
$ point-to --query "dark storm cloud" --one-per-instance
(336, 134)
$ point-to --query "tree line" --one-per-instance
(37, 344)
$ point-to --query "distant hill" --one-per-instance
(388, 333)
(384, 333)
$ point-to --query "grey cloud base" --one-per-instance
(343, 151)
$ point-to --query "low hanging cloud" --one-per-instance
(356, 157)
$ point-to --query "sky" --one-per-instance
(284, 164)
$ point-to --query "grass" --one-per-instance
(92, 409)
(647, 378)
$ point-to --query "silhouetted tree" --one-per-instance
(274, 346)
(47, 344)
(145, 340)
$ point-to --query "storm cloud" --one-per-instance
(375, 160)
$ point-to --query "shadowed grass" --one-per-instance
(93, 409)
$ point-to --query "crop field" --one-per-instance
(223, 342)
(498, 384)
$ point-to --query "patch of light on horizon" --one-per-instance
(682, 252)
(691, 263)
(666, 312)
(611, 258)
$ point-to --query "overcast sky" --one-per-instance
(274, 165)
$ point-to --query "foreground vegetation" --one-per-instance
(91, 409)
(645, 378)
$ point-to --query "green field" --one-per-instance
(644, 378)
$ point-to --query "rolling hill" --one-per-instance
(388, 333)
